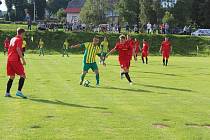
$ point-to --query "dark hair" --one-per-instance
(20, 31)
(96, 36)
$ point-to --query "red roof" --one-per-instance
(72, 10)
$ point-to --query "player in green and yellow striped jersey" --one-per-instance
(89, 60)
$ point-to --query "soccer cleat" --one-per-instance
(97, 85)
(8, 95)
(81, 82)
(20, 94)
(131, 83)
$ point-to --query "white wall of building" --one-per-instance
(72, 17)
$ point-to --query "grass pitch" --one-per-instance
(165, 103)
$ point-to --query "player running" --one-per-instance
(6, 44)
(130, 43)
(41, 47)
(165, 50)
(14, 64)
(145, 51)
(104, 48)
(89, 60)
(124, 56)
(65, 48)
(137, 47)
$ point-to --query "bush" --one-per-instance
(182, 45)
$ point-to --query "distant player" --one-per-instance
(41, 47)
(124, 56)
(14, 64)
(137, 47)
(6, 44)
(89, 61)
(130, 43)
(165, 50)
(24, 47)
(66, 48)
(104, 48)
(145, 51)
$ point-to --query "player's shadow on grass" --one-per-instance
(158, 73)
(167, 88)
(57, 102)
(124, 89)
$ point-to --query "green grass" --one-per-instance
(13, 27)
(177, 97)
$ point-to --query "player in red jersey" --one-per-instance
(145, 51)
(124, 56)
(137, 47)
(14, 64)
(130, 43)
(165, 50)
(6, 44)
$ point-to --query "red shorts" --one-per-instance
(15, 68)
(144, 54)
(125, 64)
(166, 55)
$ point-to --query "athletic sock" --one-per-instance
(146, 60)
(142, 59)
(166, 62)
(21, 83)
(122, 73)
(9, 85)
(163, 61)
(97, 79)
(128, 77)
(82, 77)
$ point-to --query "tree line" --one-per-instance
(17, 9)
(139, 12)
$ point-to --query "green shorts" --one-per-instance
(87, 66)
(103, 54)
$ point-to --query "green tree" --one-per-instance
(93, 11)
(40, 8)
(129, 11)
(168, 18)
(61, 14)
(20, 6)
(54, 5)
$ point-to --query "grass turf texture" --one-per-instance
(166, 103)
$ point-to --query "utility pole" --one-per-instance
(34, 10)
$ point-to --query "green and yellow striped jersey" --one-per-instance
(90, 52)
(66, 45)
(104, 46)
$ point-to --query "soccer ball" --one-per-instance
(87, 83)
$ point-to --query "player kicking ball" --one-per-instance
(14, 64)
(145, 51)
(165, 50)
(89, 60)
(124, 56)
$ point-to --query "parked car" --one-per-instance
(201, 32)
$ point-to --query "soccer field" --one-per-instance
(165, 103)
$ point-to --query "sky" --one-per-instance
(3, 6)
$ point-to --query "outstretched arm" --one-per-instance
(75, 46)
(111, 52)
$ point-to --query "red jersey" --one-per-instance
(166, 46)
(6, 43)
(145, 47)
(15, 43)
(137, 45)
(124, 51)
(130, 43)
